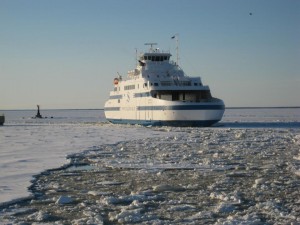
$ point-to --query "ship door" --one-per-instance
(137, 113)
(149, 110)
(137, 109)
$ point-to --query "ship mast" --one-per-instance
(151, 44)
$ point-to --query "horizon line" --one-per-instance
(230, 107)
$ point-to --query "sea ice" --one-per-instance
(174, 176)
(64, 200)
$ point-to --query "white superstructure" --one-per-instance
(157, 92)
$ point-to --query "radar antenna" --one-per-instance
(151, 44)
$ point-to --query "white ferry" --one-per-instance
(158, 93)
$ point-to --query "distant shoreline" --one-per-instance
(246, 107)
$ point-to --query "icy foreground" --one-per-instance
(28, 148)
(189, 176)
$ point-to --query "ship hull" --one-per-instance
(174, 123)
(165, 113)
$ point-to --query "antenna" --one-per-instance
(151, 44)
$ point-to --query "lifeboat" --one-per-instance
(116, 81)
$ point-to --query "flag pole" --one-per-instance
(177, 48)
(136, 57)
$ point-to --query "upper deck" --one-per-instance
(158, 72)
(154, 54)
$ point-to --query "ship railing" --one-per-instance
(180, 88)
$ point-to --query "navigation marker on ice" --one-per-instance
(38, 115)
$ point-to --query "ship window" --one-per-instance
(165, 57)
(155, 84)
(129, 87)
(195, 84)
(166, 83)
(185, 83)
(145, 57)
(175, 96)
(145, 84)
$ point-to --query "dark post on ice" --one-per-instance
(38, 115)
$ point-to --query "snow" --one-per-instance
(29, 146)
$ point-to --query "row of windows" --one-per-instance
(166, 83)
(185, 83)
(140, 95)
(156, 58)
(129, 87)
(163, 83)
(116, 97)
(136, 95)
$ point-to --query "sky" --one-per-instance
(64, 54)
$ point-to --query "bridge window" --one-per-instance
(156, 58)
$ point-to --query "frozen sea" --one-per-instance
(30, 146)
